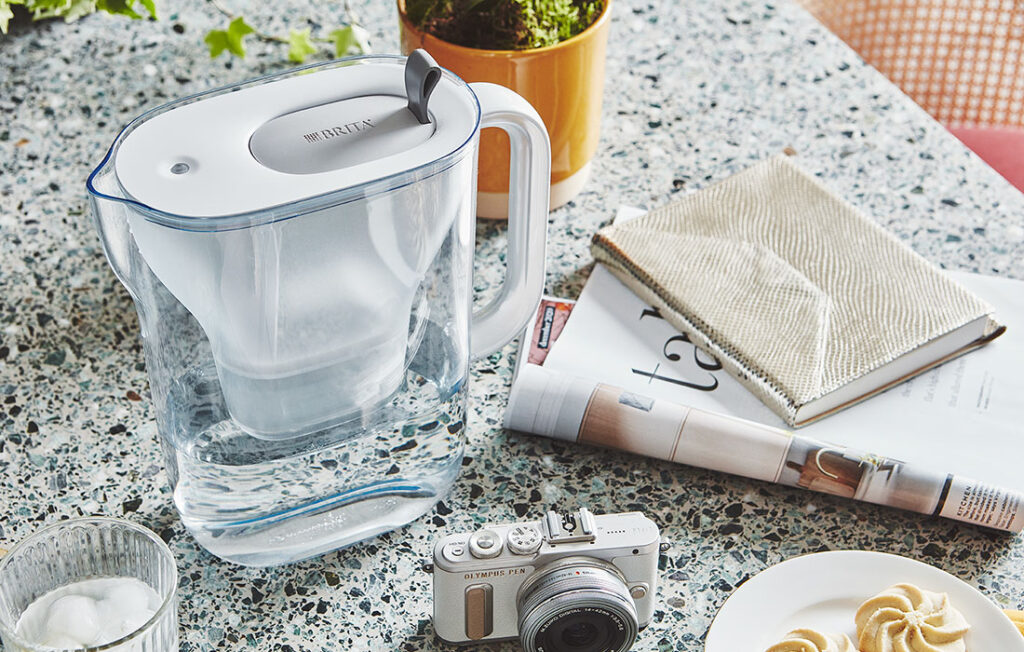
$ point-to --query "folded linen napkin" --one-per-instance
(799, 295)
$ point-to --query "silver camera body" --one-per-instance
(570, 581)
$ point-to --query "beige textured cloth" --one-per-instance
(794, 290)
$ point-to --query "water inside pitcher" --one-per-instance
(309, 318)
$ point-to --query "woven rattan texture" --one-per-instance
(962, 60)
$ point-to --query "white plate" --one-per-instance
(822, 591)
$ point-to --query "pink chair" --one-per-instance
(962, 60)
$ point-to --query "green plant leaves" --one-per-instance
(78, 8)
(71, 10)
(43, 9)
(229, 39)
(5, 15)
(349, 39)
(505, 24)
(299, 45)
(118, 8)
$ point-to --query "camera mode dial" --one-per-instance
(524, 540)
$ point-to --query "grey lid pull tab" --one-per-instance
(421, 76)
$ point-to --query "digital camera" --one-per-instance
(570, 582)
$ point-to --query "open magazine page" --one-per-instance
(617, 338)
(617, 375)
(962, 417)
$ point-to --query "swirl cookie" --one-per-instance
(1017, 617)
(905, 618)
(809, 640)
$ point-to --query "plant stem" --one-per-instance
(350, 14)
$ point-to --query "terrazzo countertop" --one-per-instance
(695, 91)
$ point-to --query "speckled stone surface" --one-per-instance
(695, 91)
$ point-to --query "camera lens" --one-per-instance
(576, 604)
(580, 634)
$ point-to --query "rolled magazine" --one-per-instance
(567, 407)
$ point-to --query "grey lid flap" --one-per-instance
(421, 76)
(338, 135)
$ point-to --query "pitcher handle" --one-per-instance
(529, 187)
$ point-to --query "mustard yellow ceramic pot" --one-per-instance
(564, 82)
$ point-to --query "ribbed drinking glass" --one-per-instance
(85, 549)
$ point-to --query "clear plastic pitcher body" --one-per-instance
(300, 309)
(308, 362)
(374, 423)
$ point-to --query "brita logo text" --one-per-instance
(334, 132)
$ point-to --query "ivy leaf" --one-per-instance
(237, 30)
(229, 39)
(217, 39)
(299, 45)
(349, 39)
(150, 6)
(72, 10)
(43, 9)
(5, 15)
(79, 8)
(118, 7)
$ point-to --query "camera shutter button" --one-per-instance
(524, 540)
(485, 544)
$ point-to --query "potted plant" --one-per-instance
(549, 51)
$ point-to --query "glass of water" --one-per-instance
(87, 584)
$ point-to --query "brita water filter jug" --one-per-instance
(299, 249)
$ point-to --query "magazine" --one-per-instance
(651, 391)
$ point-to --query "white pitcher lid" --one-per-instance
(286, 138)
